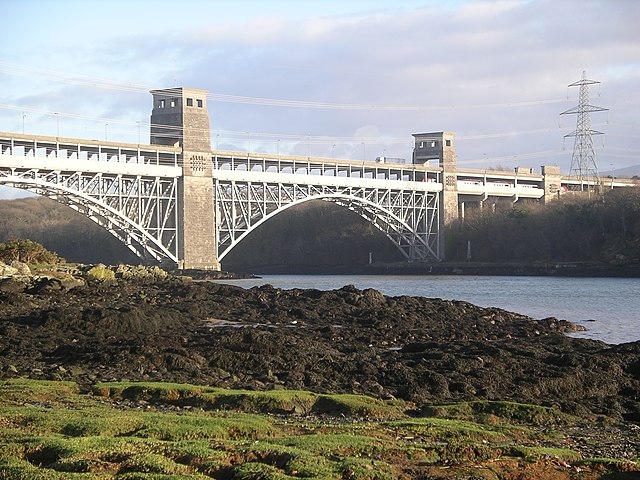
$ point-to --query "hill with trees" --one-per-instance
(319, 235)
(574, 228)
(61, 230)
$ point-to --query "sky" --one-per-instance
(347, 79)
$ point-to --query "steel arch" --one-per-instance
(113, 201)
(409, 218)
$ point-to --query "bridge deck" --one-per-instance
(95, 150)
(236, 166)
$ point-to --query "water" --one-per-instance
(608, 307)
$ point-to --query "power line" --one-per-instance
(262, 101)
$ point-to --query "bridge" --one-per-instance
(179, 203)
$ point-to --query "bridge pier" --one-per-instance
(439, 146)
(552, 182)
(180, 117)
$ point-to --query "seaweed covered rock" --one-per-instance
(343, 341)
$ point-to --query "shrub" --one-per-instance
(27, 251)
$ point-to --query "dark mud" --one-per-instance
(347, 340)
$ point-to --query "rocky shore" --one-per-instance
(100, 326)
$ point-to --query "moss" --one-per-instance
(101, 272)
(18, 391)
(51, 430)
(273, 401)
(498, 412)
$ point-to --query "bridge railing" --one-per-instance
(315, 166)
(90, 150)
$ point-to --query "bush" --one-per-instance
(27, 251)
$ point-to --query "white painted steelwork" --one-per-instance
(129, 190)
(401, 201)
(132, 190)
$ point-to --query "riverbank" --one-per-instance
(422, 353)
(344, 341)
(558, 269)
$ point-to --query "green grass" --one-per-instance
(272, 401)
(498, 412)
(52, 430)
(18, 391)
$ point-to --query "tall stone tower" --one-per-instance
(439, 146)
(180, 117)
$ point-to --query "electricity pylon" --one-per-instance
(583, 161)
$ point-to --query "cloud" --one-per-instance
(495, 73)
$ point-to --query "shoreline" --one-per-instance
(558, 269)
(149, 346)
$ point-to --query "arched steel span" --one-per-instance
(136, 192)
(140, 212)
(409, 218)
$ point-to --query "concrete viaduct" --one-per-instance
(179, 203)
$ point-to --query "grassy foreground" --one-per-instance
(136, 431)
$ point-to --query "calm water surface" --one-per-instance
(608, 307)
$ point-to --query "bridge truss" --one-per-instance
(405, 207)
(132, 193)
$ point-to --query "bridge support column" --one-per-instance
(552, 182)
(197, 245)
(439, 146)
(180, 117)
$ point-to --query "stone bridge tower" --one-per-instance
(439, 146)
(180, 118)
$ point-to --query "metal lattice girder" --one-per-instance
(409, 218)
(130, 190)
(138, 210)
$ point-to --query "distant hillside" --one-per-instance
(61, 230)
(627, 172)
(572, 229)
(315, 233)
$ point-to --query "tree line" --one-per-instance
(597, 228)
(603, 228)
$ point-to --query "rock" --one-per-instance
(69, 281)
(44, 284)
(7, 270)
(12, 285)
(140, 272)
(342, 341)
(21, 268)
(101, 272)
